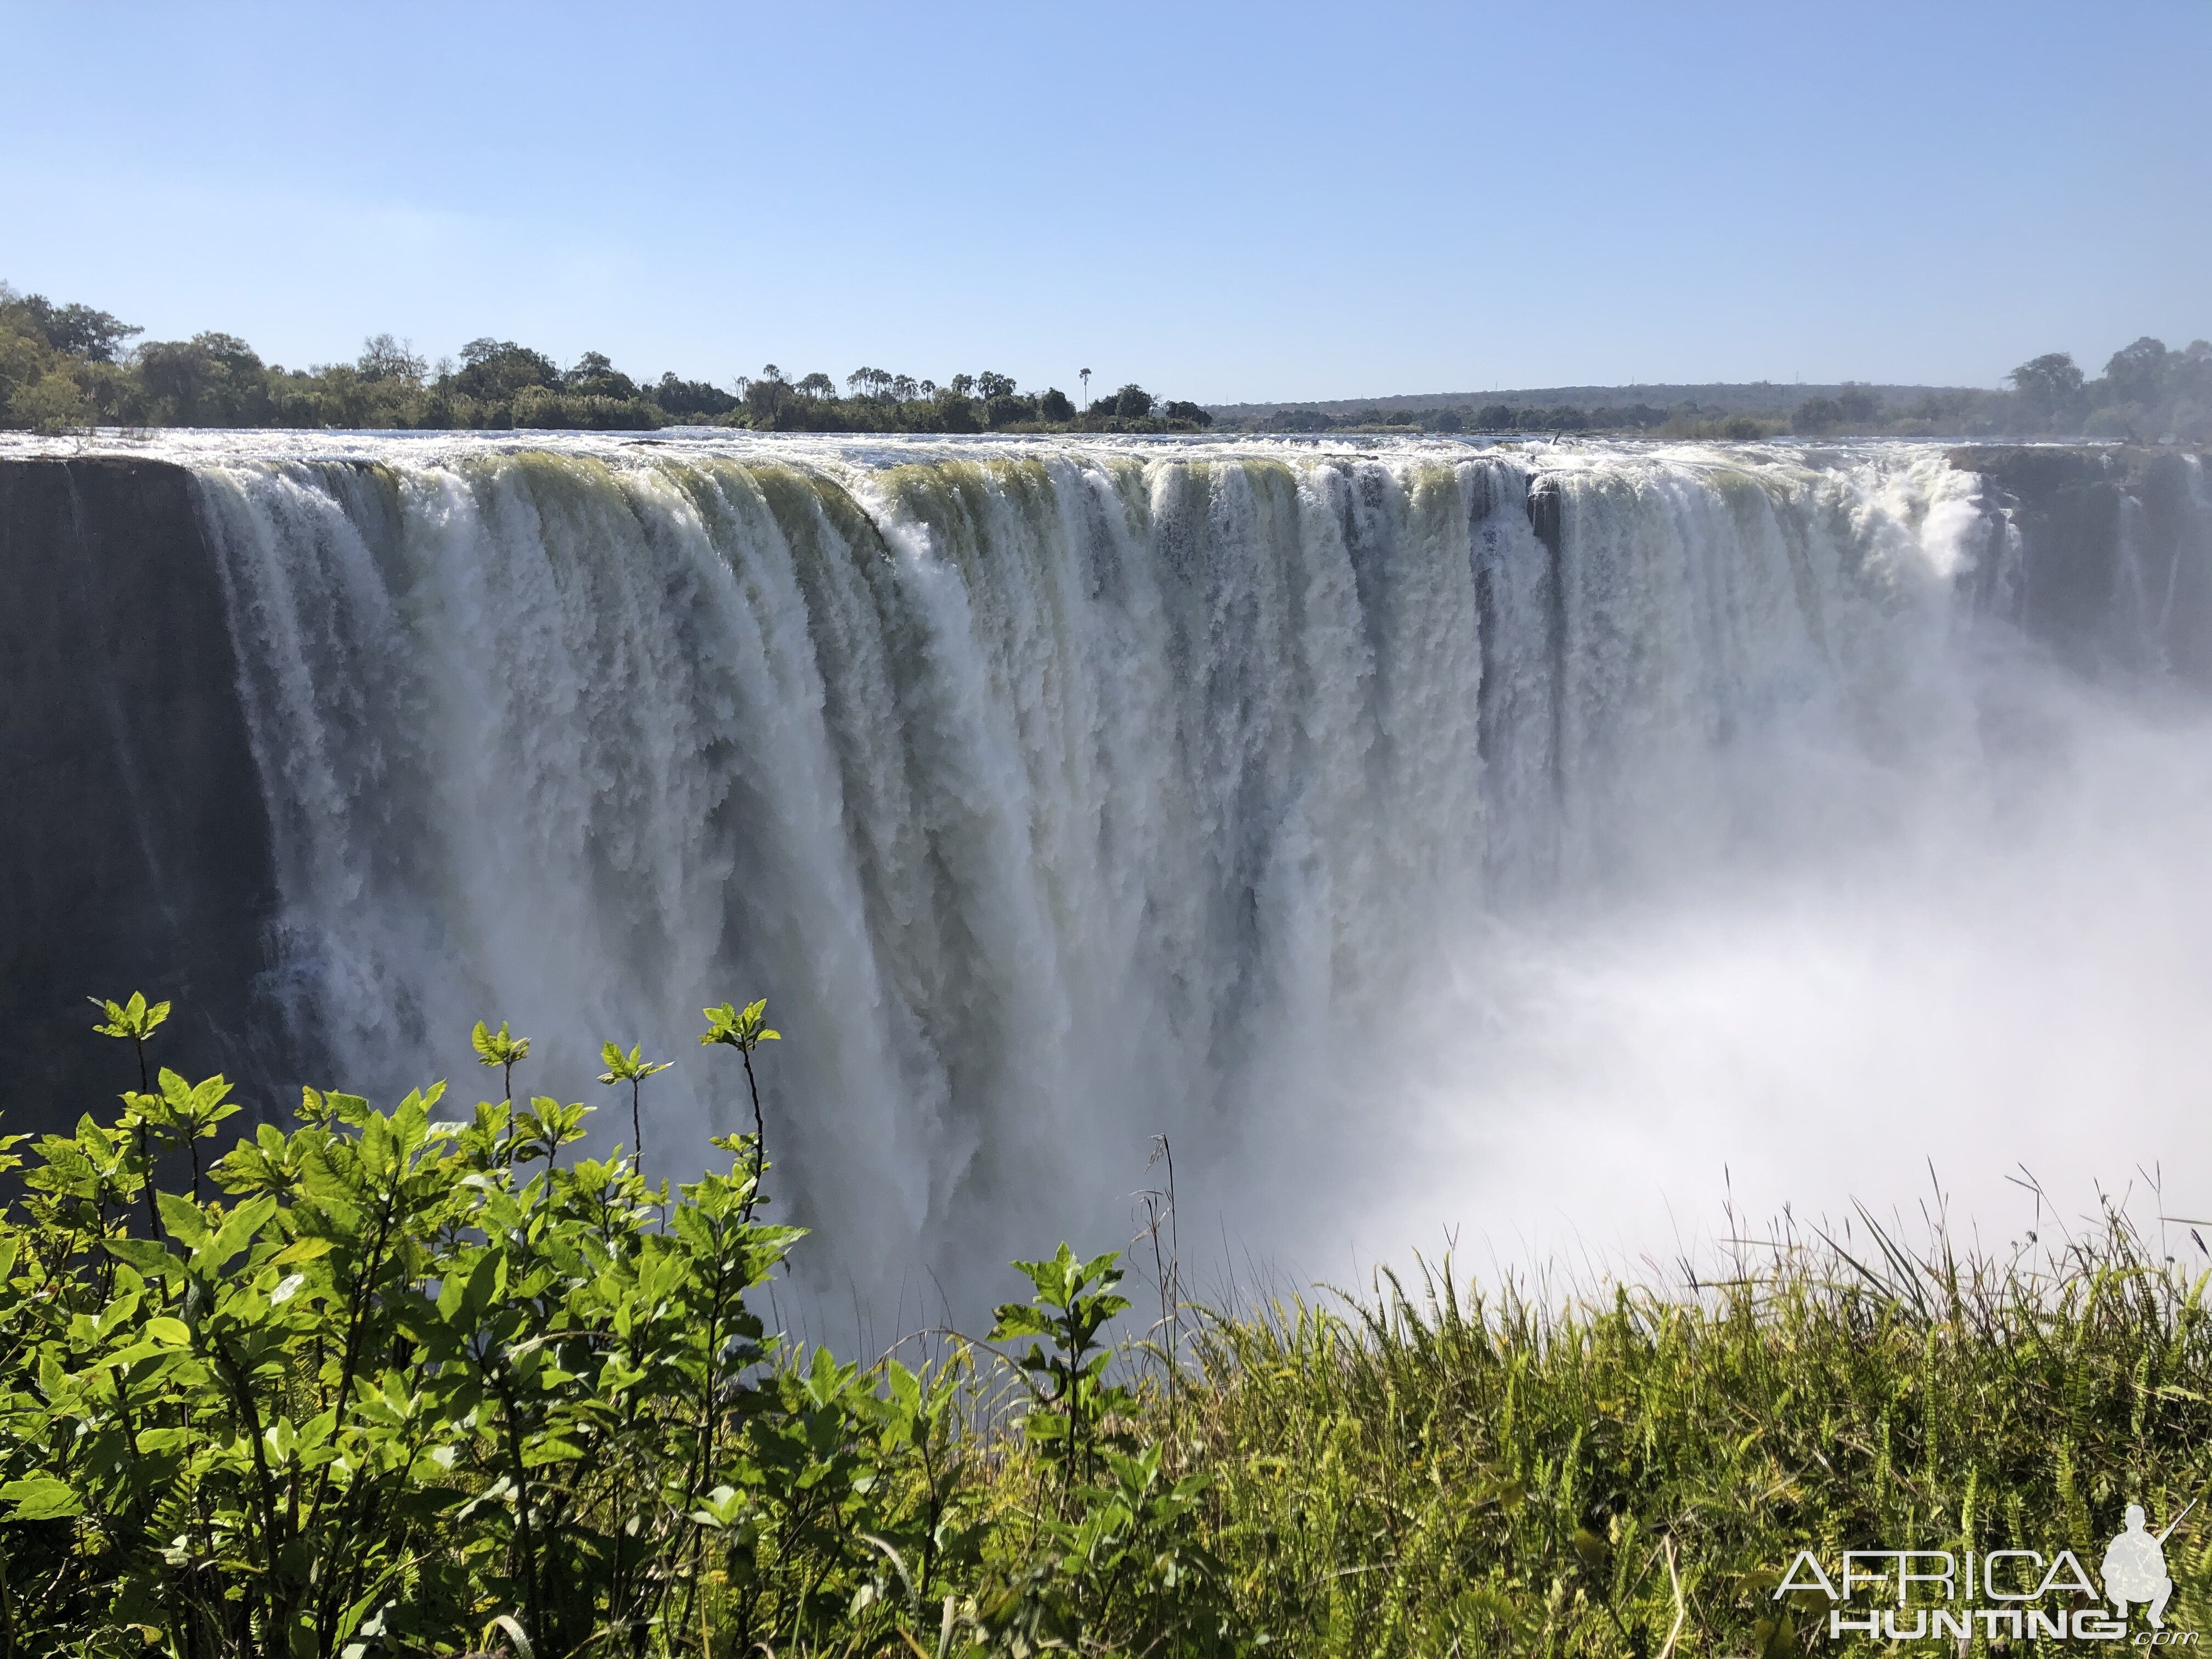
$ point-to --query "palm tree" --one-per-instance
(1085, 373)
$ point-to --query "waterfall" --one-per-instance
(1058, 794)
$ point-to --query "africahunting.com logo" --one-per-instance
(2019, 1595)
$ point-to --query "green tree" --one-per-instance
(52, 403)
(766, 396)
(25, 359)
(495, 370)
(385, 358)
(1817, 415)
(595, 376)
(211, 380)
(75, 330)
(2139, 372)
(1859, 405)
(698, 398)
(2050, 386)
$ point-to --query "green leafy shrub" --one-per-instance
(1124, 1558)
(403, 1383)
(393, 1385)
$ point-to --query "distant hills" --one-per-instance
(1714, 397)
(2149, 393)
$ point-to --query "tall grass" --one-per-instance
(1434, 1468)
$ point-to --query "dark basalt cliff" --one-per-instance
(134, 850)
(2114, 564)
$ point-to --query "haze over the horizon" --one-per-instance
(1229, 203)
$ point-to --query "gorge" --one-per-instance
(1416, 832)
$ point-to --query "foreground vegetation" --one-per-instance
(415, 1382)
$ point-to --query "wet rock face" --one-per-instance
(134, 849)
(2112, 564)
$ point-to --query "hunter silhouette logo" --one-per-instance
(2135, 1567)
(2015, 1594)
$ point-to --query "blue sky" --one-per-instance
(1219, 200)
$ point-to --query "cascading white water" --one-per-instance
(1058, 794)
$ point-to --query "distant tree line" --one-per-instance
(70, 365)
(1490, 418)
(2148, 393)
(1856, 410)
(877, 400)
